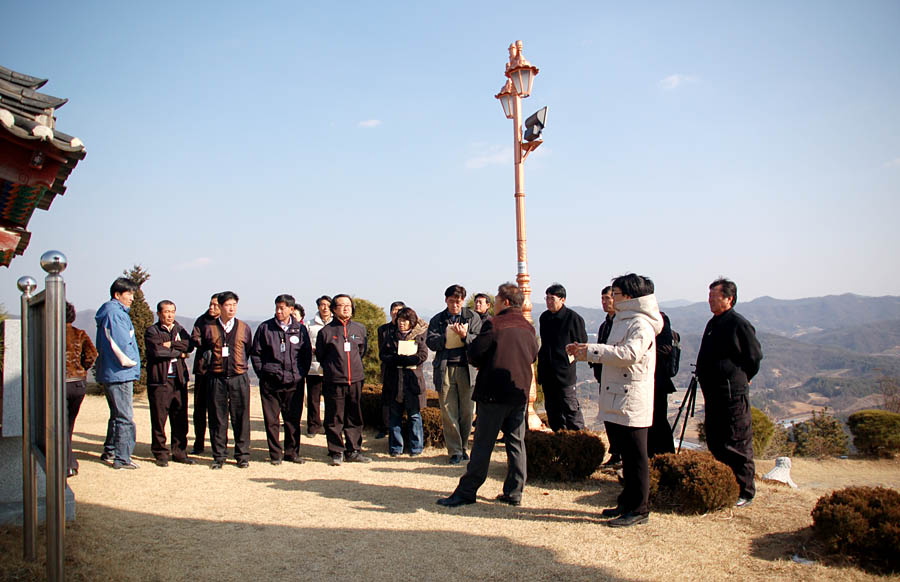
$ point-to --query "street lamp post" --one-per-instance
(520, 77)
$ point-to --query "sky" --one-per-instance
(357, 147)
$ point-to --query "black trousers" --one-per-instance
(201, 406)
(168, 401)
(284, 401)
(343, 417)
(229, 397)
(313, 404)
(614, 448)
(75, 392)
(563, 410)
(729, 437)
(493, 417)
(659, 437)
(632, 443)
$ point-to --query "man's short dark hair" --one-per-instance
(286, 299)
(227, 296)
(484, 296)
(122, 285)
(632, 285)
(556, 290)
(352, 304)
(511, 292)
(70, 313)
(397, 304)
(729, 289)
(323, 298)
(408, 314)
(651, 288)
(457, 291)
(163, 303)
(606, 290)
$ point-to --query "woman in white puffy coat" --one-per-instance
(626, 389)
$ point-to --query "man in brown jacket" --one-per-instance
(503, 352)
(227, 342)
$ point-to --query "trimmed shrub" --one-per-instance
(433, 426)
(691, 482)
(763, 429)
(370, 402)
(876, 433)
(862, 523)
(820, 436)
(567, 455)
(371, 316)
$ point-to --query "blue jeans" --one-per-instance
(416, 432)
(120, 430)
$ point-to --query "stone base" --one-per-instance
(11, 511)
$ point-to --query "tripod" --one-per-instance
(687, 406)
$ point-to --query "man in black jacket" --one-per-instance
(340, 347)
(560, 326)
(201, 378)
(729, 357)
(504, 352)
(281, 354)
(608, 304)
(168, 344)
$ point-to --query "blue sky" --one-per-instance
(357, 147)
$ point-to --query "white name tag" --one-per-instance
(295, 339)
(224, 351)
(346, 346)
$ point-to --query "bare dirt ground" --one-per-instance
(379, 522)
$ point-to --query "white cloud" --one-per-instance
(490, 156)
(369, 123)
(895, 163)
(676, 80)
(197, 263)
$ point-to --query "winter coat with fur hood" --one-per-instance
(629, 362)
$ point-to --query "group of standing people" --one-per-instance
(633, 342)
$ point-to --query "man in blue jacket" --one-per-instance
(118, 366)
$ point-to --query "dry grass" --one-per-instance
(380, 522)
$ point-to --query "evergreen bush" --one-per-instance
(566, 455)
(763, 429)
(370, 403)
(371, 316)
(433, 426)
(820, 436)
(691, 482)
(780, 445)
(862, 523)
(876, 433)
(433, 398)
(141, 318)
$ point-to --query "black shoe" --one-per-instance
(185, 460)
(243, 464)
(217, 465)
(743, 501)
(455, 460)
(381, 434)
(129, 465)
(454, 501)
(197, 450)
(503, 497)
(295, 460)
(395, 454)
(357, 457)
(337, 459)
(162, 462)
(275, 462)
(614, 459)
(613, 511)
(415, 454)
(465, 456)
(107, 459)
(629, 519)
(71, 472)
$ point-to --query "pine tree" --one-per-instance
(141, 319)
